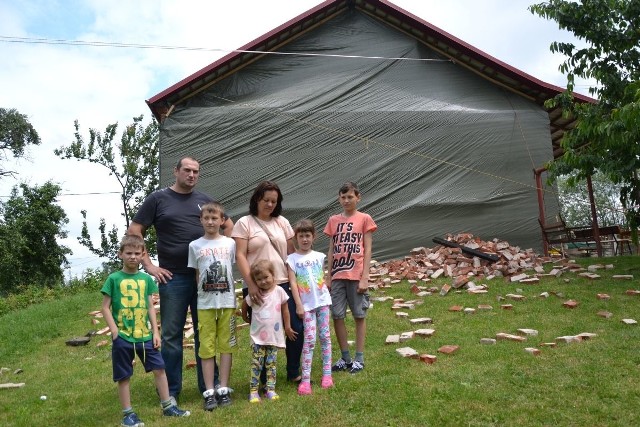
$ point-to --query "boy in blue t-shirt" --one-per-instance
(128, 310)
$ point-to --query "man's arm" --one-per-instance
(227, 227)
(158, 273)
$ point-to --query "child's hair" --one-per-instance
(262, 265)
(303, 226)
(212, 207)
(131, 240)
(348, 186)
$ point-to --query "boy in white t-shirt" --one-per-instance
(213, 256)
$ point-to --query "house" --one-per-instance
(440, 137)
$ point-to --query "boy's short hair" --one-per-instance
(348, 186)
(212, 207)
(262, 265)
(132, 240)
(303, 226)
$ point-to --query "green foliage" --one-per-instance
(133, 162)
(574, 201)
(29, 231)
(607, 133)
(16, 133)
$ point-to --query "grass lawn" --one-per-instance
(592, 383)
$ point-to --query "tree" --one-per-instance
(607, 133)
(16, 133)
(29, 231)
(575, 206)
(134, 163)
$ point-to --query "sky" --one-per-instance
(55, 84)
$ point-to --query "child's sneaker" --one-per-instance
(304, 388)
(254, 397)
(174, 411)
(356, 367)
(341, 365)
(223, 396)
(327, 381)
(131, 420)
(272, 395)
(210, 402)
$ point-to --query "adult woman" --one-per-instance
(266, 234)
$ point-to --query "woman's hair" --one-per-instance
(262, 265)
(304, 225)
(258, 194)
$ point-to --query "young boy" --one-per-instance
(349, 257)
(213, 256)
(127, 298)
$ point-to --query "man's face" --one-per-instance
(187, 175)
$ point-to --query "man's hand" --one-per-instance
(160, 274)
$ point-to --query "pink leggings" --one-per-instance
(319, 317)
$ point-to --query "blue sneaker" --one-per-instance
(174, 411)
(131, 420)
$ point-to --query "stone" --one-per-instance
(424, 333)
(407, 352)
(448, 349)
(629, 322)
(392, 339)
(544, 295)
(401, 314)
(469, 310)
(605, 314)
(420, 320)
(77, 341)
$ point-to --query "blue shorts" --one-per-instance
(124, 352)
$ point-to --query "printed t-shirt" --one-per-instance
(129, 299)
(267, 327)
(214, 259)
(346, 235)
(309, 271)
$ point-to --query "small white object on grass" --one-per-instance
(43, 397)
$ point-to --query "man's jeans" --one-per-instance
(176, 296)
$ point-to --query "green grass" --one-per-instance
(593, 383)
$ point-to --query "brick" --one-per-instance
(519, 277)
(530, 281)
(502, 336)
(584, 336)
(485, 307)
(445, 289)
(532, 350)
(516, 297)
(401, 314)
(603, 296)
(528, 332)
(425, 333)
(406, 336)
(605, 314)
(102, 343)
(448, 349)
(570, 304)
(392, 339)
(469, 310)
(632, 292)
(487, 341)
(506, 306)
(548, 344)
(622, 276)
(544, 295)
(455, 308)
(191, 364)
(428, 359)
(407, 352)
(569, 339)
(421, 320)
(590, 276)
(629, 322)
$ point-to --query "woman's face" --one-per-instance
(268, 203)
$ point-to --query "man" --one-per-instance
(175, 213)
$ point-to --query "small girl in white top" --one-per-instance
(313, 302)
(266, 328)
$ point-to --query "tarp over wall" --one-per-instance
(434, 147)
